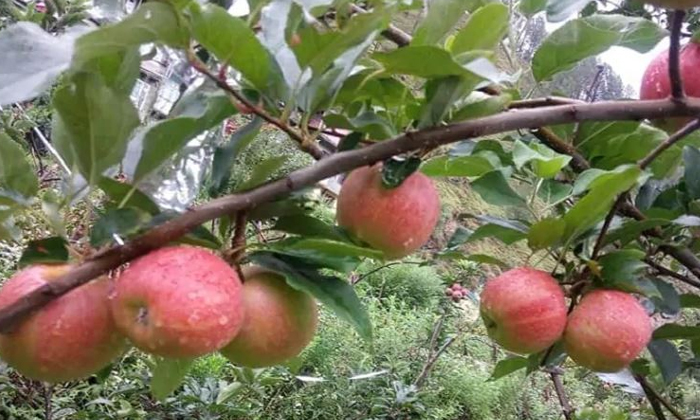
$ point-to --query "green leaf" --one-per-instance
(422, 61)
(305, 225)
(122, 222)
(676, 332)
(530, 8)
(342, 256)
(482, 107)
(597, 203)
(368, 122)
(167, 375)
(689, 300)
(552, 191)
(395, 171)
(231, 40)
(336, 294)
(691, 160)
(670, 301)
(546, 233)
(494, 189)
(667, 359)
(92, 124)
(441, 18)
(586, 37)
(506, 234)
(263, 171)
(44, 251)
(507, 366)
(631, 229)
(622, 265)
(559, 10)
(31, 60)
(225, 155)
(228, 392)
(51, 206)
(440, 95)
(546, 163)
(486, 259)
(119, 70)
(459, 237)
(18, 182)
(119, 192)
(456, 166)
(160, 141)
(483, 30)
(151, 22)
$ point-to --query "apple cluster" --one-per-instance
(456, 292)
(175, 302)
(525, 312)
(182, 302)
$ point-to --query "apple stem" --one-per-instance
(674, 54)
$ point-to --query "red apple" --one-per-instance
(70, 338)
(397, 221)
(656, 83)
(524, 310)
(279, 322)
(179, 302)
(607, 331)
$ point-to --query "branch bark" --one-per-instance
(566, 408)
(338, 163)
(654, 396)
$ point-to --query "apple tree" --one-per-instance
(610, 190)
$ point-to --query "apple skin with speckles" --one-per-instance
(524, 310)
(70, 338)
(279, 322)
(178, 302)
(656, 82)
(398, 221)
(607, 330)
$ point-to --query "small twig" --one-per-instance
(305, 143)
(566, 408)
(436, 333)
(674, 55)
(540, 102)
(370, 272)
(655, 398)
(593, 88)
(238, 241)
(431, 361)
(48, 394)
(606, 225)
(670, 141)
(392, 33)
(670, 273)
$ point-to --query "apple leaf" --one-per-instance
(117, 223)
(689, 300)
(333, 292)
(667, 359)
(325, 253)
(508, 366)
(18, 182)
(305, 225)
(225, 155)
(676, 332)
(545, 233)
(119, 192)
(395, 171)
(494, 189)
(167, 375)
(48, 250)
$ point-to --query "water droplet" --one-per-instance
(182, 340)
(149, 15)
(223, 320)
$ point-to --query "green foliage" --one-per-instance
(419, 287)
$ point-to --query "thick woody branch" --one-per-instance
(333, 165)
(655, 398)
(566, 408)
(670, 273)
(674, 55)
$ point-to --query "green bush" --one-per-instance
(416, 286)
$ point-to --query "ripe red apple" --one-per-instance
(179, 302)
(279, 321)
(397, 221)
(524, 310)
(70, 338)
(607, 331)
(656, 83)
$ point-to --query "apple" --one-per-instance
(607, 331)
(71, 338)
(397, 221)
(524, 310)
(279, 322)
(178, 302)
(675, 4)
(656, 82)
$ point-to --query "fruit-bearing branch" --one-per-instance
(338, 163)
